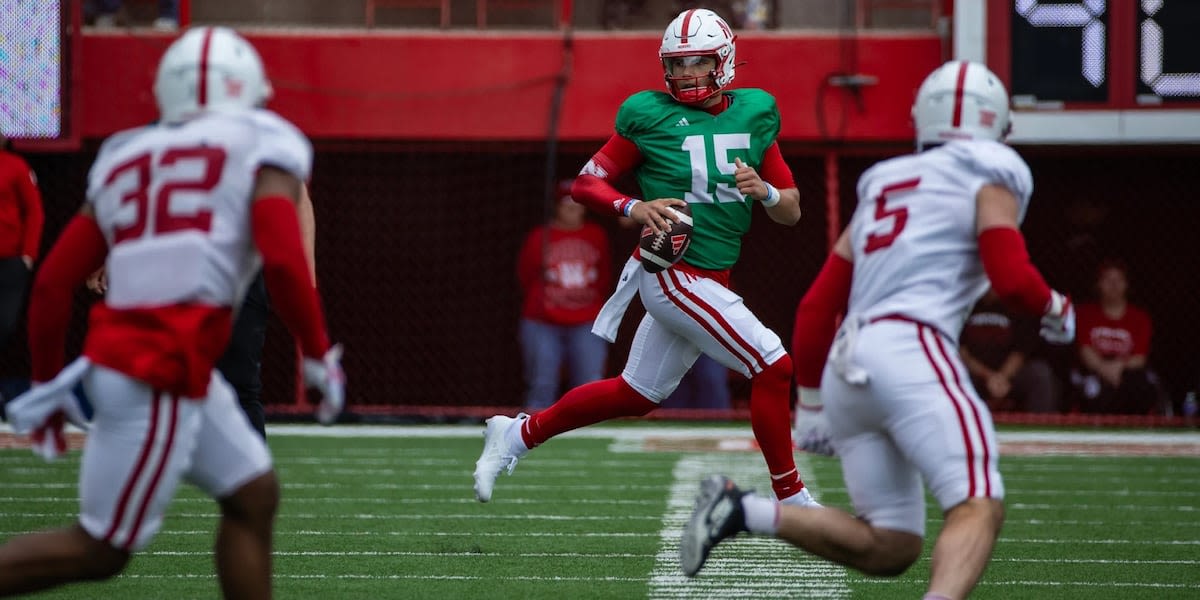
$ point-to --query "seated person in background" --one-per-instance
(1113, 342)
(997, 347)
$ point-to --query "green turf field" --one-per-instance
(390, 513)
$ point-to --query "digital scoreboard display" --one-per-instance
(1104, 53)
(31, 69)
(1168, 51)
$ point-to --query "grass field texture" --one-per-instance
(389, 512)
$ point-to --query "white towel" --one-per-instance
(609, 319)
(32, 409)
(842, 351)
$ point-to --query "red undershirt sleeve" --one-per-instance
(592, 187)
(79, 251)
(276, 230)
(775, 170)
(1014, 278)
(817, 319)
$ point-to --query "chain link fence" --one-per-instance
(417, 245)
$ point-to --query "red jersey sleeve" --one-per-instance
(79, 251)
(817, 319)
(592, 187)
(775, 170)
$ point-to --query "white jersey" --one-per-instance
(173, 203)
(913, 234)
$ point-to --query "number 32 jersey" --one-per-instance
(913, 233)
(173, 204)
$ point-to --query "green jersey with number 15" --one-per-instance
(688, 153)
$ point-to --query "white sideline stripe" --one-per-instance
(729, 431)
(733, 431)
(748, 589)
(747, 566)
(631, 555)
(415, 553)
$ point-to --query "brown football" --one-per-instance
(660, 251)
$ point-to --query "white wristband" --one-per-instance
(628, 204)
(772, 196)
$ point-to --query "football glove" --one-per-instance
(811, 431)
(1058, 322)
(327, 376)
(43, 412)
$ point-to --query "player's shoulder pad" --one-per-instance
(109, 151)
(640, 110)
(996, 162)
(756, 96)
(281, 144)
(118, 140)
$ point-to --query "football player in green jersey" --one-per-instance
(714, 149)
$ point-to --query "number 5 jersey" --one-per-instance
(916, 251)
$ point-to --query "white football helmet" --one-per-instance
(698, 32)
(209, 68)
(961, 100)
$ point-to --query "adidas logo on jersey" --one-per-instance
(683, 122)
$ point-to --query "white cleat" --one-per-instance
(496, 455)
(801, 498)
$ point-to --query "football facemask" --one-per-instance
(693, 35)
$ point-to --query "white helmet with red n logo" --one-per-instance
(209, 68)
(696, 33)
(961, 100)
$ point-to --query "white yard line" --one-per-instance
(732, 432)
(746, 566)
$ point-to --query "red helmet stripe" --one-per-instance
(959, 84)
(687, 21)
(202, 84)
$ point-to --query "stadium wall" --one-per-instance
(430, 165)
(497, 86)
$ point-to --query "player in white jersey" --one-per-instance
(932, 230)
(181, 214)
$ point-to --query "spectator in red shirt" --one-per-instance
(1113, 341)
(565, 272)
(999, 348)
(20, 234)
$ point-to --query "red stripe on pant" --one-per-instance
(164, 458)
(962, 421)
(755, 364)
(138, 471)
(983, 440)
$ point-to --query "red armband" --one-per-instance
(79, 251)
(1014, 279)
(276, 230)
(816, 319)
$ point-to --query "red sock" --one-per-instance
(770, 418)
(587, 404)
